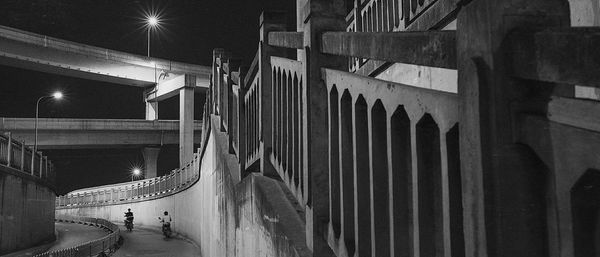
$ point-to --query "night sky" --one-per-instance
(190, 29)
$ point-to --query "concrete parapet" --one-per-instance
(26, 211)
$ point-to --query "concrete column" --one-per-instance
(151, 110)
(186, 121)
(242, 150)
(270, 21)
(318, 16)
(217, 53)
(46, 166)
(9, 154)
(23, 156)
(150, 161)
(492, 166)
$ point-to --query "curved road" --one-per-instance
(139, 242)
(73, 234)
(145, 242)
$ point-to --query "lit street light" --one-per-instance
(56, 96)
(152, 23)
(135, 172)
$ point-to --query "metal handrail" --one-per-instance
(108, 243)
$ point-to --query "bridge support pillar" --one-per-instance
(152, 110)
(150, 161)
(186, 121)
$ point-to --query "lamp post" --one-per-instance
(56, 96)
(135, 172)
(152, 22)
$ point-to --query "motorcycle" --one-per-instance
(166, 229)
(129, 225)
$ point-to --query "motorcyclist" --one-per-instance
(129, 218)
(166, 223)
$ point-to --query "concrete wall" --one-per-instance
(223, 217)
(26, 211)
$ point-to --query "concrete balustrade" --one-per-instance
(176, 181)
(26, 197)
(370, 118)
(16, 155)
(287, 126)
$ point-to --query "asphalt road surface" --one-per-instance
(73, 234)
(144, 242)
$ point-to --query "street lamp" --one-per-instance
(57, 96)
(152, 23)
(135, 172)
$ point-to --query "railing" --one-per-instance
(252, 121)
(287, 155)
(396, 15)
(15, 155)
(105, 245)
(235, 116)
(171, 183)
(372, 125)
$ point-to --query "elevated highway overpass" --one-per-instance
(95, 133)
(32, 51)
(102, 133)
(161, 79)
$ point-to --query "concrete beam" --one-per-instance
(42, 53)
(21, 124)
(568, 55)
(95, 133)
(575, 113)
(427, 48)
(169, 88)
(286, 39)
(99, 139)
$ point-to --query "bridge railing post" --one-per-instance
(493, 167)
(269, 21)
(9, 149)
(318, 16)
(215, 90)
(23, 156)
(241, 119)
(45, 166)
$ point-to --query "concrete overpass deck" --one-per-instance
(95, 133)
(32, 51)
